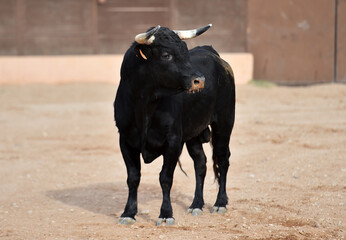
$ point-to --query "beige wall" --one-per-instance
(292, 41)
(229, 19)
(342, 41)
(90, 68)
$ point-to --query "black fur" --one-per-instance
(156, 115)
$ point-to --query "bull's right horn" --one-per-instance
(148, 37)
(188, 34)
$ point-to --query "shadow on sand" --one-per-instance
(110, 198)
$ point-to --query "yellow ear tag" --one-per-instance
(142, 54)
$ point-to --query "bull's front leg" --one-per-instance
(195, 149)
(170, 159)
(133, 165)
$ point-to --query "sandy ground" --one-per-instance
(62, 175)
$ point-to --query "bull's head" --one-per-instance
(167, 57)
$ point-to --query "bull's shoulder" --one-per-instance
(204, 50)
(129, 63)
(208, 58)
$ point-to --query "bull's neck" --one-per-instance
(145, 106)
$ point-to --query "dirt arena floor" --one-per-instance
(62, 175)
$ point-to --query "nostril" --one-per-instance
(196, 82)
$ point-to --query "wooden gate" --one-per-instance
(50, 27)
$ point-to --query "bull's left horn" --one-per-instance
(188, 34)
(147, 37)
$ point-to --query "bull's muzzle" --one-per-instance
(197, 84)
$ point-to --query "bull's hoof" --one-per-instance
(220, 210)
(194, 211)
(168, 221)
(126, 221)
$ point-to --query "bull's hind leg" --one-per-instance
(221, 154)
(195, 149)
(133, 166)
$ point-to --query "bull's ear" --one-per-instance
(143, 52)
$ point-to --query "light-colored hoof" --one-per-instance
(126, 221)
(168, 221)
(214, 209)
(220, 210)
(194, 211)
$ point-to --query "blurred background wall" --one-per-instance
(293, 41)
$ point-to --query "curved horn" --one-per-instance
(188, 34)
(148, 37)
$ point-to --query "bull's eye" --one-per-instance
(166, 56)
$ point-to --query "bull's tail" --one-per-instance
(215, 161)
(181, 168)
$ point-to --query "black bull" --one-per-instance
(169, 95)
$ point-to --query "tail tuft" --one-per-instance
(216, 169)
(215, 161)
